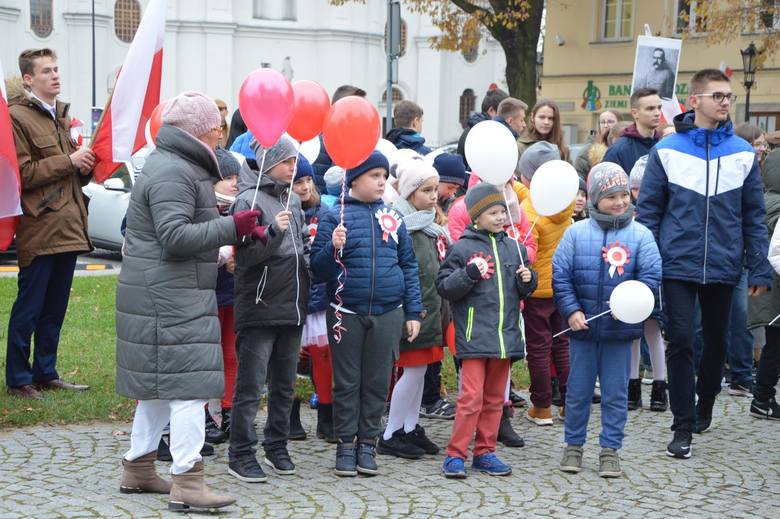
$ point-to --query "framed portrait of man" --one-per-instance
(655, 65)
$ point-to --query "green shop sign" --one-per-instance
(618, 96)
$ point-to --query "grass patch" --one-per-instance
(87, 355)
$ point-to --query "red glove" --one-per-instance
(260, 233)
(245, 221)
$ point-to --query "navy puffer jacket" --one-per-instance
(381, 274)
(628, 148)
(583, 279)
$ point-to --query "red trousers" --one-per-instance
(322, 373)
(480, 403)
(228, 354)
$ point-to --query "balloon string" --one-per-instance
(586, 320)
(259, 176)
(515, 231)
(295, 172)
(338, 326)
(530, 230)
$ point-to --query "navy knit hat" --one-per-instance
(482, 197)
(228, 165)
(451, 168)
(304, 169)
(375, 160)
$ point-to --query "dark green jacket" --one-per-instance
(428, 265)
(764, 308)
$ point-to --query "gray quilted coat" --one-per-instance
(167, 330)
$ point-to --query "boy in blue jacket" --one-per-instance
(484, 277)
(594, 256)
(374, 294)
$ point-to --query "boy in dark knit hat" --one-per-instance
(364, 253)
(484, 278)
(452, 176)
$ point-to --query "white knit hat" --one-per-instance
(193, 112)
(413, 173)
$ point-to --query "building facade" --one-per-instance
(589, 58)
(211, 45)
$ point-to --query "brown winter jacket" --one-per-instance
(54, 218)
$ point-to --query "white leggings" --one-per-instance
(656, 345)
(187, 430)
(406, 400)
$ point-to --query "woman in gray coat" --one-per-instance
(168, 336)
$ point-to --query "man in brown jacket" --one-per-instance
(53, 226)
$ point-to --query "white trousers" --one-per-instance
(187, 418)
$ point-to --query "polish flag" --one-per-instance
(10, 183)
(725, 69)
(120, 132)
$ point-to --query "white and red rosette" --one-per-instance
(389, 222)
(441, 246)
(617, 256)
(485, 263)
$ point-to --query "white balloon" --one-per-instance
(491, 151)
(310, 149)
(554, 187)
(429, 158)
(632, 302)
(387, 149)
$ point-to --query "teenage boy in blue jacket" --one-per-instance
(594, 256)
(702, 197)
(380, 293)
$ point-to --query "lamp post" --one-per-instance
(749, 68)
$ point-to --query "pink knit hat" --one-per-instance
(193, 112)
(413, 173)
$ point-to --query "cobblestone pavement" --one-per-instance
(73, 471)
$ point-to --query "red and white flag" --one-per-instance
(725, 69)
(10, 183)
(136, 94)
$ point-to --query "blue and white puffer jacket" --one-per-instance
(381, 274)
(702, 198)
(583, 278)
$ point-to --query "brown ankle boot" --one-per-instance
(139, 476)
(190, 491)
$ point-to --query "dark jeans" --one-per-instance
(44, 290)
(432, 387)
(542, 321)
(769, 366)
(715, 301)
(739, 348)
(362, 366)
(264, 352)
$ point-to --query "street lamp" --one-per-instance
(749, 68)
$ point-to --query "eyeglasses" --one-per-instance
(719, 97)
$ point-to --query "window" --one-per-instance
(41, 19)
(770, 15)
(618, 17)
(467, 104)
(127, 16)
(397, 95)
(687, 18)
(404, 33)
(767, 121)
(275, 9)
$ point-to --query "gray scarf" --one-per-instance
(607, 221)
(420, 220)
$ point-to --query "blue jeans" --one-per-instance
(739, 345)
(611, 361)
(44, 290)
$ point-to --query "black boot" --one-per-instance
(226, 421)
(163, 451)
(634, 394)
(325, 423)
(296, 428)
(659, 399)
(557, 399)
(214, 434)
(506, 434)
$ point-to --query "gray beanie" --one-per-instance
(284, 149)
(604, 179)
(482, 197)
(637, 172)
(333, 180)
(535, 156)
(228, 165)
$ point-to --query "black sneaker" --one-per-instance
(346, 463)
(418, 437)
(279, 460)
(767, 409)
(400, 446)
(506, 434)
(207, 450)
(743, 389)
(214, 434)
(297, 432)
(634, 394)
(247, 469)
(703, 416)
(366, 459)
(659, 399)
(517, 399)
(557, 399)
(225, 426)
(680, 446)
(440, 409)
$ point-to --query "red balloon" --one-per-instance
(7, 231)
(310, 110)
(155, 121)
(266, 103)
(351, 131)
